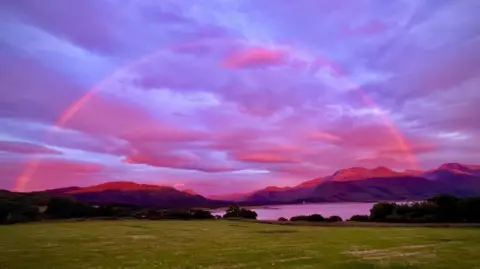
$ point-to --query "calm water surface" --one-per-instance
(344, 210)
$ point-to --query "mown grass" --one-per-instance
(229, 244)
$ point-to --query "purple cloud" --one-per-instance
(25, 148)
(255, 57)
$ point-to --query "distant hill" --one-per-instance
(228, 197)
(362, 184)
(353, 184)
(124, 192)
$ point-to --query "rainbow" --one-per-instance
(28, 172)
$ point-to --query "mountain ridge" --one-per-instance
(354, 184)
(444, 175)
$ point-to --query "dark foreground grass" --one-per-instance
(228, 244)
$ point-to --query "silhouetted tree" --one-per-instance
(202, 214)
(248, 214)
(447, 208)
(5, 210)
(66, 207)
(470, 209)
(360, 218)
(316, 218)
(299, 218)
(380, 211)
(235, 211)
(334, 219)
(282, 219)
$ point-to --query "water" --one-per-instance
(344, 210)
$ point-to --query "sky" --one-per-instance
(230, 96)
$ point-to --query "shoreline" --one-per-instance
(364, 224)
(275, 205)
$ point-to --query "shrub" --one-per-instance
(282, 219)
(248, 214)
(202, 214)
(174, 214)
(66, 207)
(394, 218)
(299, 218)
(380, 211)
(334, 219)
(447, 208)
(360, 218)
(424, 219)
(470, 209)
(235, 211)
(316, 218)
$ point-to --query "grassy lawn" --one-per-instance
(228, 244)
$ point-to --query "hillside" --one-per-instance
(352, 184)
(362, 184)
(123, 192)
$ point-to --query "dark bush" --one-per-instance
(380, 211)
(248, 214)
(470, 209)
(360, 218)
(202, 214)
(6, 208)
(282, 219)
(334, 219)
(447, 208)
(441, 208)
(235, 211)
(66, 207)
(316, 218)
(173, 214)
(424, 219)
(299, 218)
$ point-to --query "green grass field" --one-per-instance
(229, 244)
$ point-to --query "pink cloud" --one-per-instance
(26, 148)
(165, 133)
(107, 115)
(70, 165)
(185, 161)
(413, 147)
(323, 136)
(376, 161)
(263, 157)
(48, 173)
(372, 136)
(373, 27)
(255, 57)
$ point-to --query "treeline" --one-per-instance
(439, 209)
(313, 218)
(28, 207)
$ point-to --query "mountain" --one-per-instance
(353, 185)
(190, 191)
(466, 176)
(118, 185)
(234, 197)
(450, 171)
(360, 173)
(62, 190)
(361, 184)
(123, 192)
(310, 183)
